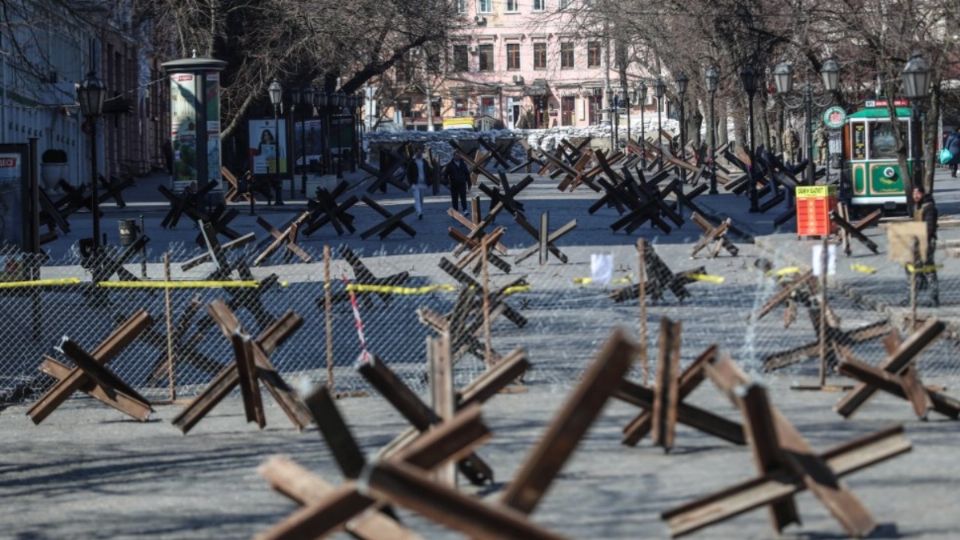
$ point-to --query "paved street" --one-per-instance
(85, 473)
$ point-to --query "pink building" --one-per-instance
(517, 62)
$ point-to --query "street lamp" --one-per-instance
(681, 92)
(276, 98)
(712, 79)
(612, 118)
(640, 96)
(658, 90)
(306, 101)
(749, 79)
(625, 99)
(916, 83)
(783, 79)
(90, 94)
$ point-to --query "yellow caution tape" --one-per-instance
(923, 269)
(787, 271)
(708, 278)
(516, 289)
(863, 269)
(391, 289)
(619, 281)
(54, 282)
(186, 284)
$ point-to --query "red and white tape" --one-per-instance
(358, 322)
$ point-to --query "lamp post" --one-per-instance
(625, 99)
(916, 83)
(682, 91)
(712, 78)
(306, 100)
(658, 90)
(783, 79)
(749, 79)
(640, 96)
(611, 107)
(90, 94)
(338, 100)
(321, 100)
(276, 98)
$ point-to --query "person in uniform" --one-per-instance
(791, 143)
(820, 142)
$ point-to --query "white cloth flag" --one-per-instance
(817, 261)
(601, 268)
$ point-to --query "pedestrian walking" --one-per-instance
(418, 173)
(458, 178)
(925, 210)
(953, 145)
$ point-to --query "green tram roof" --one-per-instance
(879, 112)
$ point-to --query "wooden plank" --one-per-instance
(98, 373)
(665, 394)
(690, 415)
(494, 379)
(598, 383)
(895, 362)
(302, 486)
(767, 456)
(319, 517)
(814, 473)
(406, 486)
(108, 349)
(118, 400)
(415, 411)
(443, 401)
(842, 461)
(247, 377)
(345, 449)
(690, 378)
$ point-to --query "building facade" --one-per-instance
(46, 48)
(515, 63)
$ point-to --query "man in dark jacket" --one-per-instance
(419, 174)
(925, 210)
(458, 177)
(953, 145)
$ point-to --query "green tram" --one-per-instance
(871, 173)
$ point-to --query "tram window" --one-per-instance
(859, 141)
(883, 142)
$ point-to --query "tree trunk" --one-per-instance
(930, 136)
(740, 128)
(723, 137)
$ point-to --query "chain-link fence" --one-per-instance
(552, 311)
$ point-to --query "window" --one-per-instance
(512, 5)
(883, 143)
(460, 59)
(567, 104)
(484, 6)
(564, 4)
(593, 54)
(513, 56)
(486, 57)
(566, 55)
(461, 5)
(539, 56)
(538, 5)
